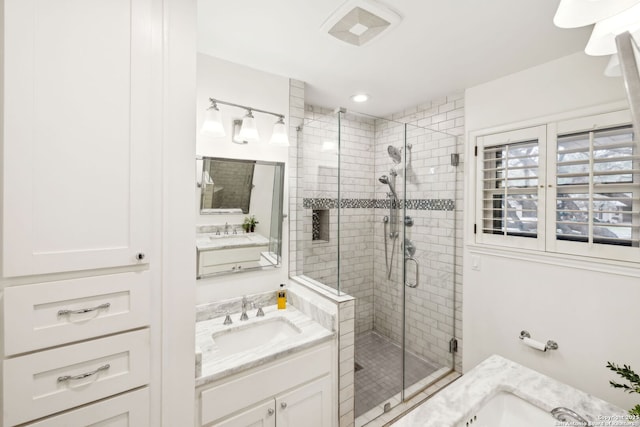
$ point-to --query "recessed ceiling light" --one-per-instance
(361, 97)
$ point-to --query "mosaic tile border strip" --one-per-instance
(414, 204)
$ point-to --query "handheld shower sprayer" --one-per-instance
(385, 180)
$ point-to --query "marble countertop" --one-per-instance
(212, 364)
(496, 374)
(212, 241)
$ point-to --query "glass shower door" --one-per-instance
(428, 257)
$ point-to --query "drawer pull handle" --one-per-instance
(84, 310)
(85, 375)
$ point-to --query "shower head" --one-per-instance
(395, 153)
(384, 179)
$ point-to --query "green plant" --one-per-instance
(634, 382)
(249, 223)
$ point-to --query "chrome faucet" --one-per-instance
(566, 415)
(227, 320)
(226, 228)
(245, 304)
(260, 312)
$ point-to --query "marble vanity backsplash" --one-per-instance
(213, 228)
(311, 305)
(233, 305)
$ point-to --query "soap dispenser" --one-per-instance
(282, 297)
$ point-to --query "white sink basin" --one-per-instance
(246, 337)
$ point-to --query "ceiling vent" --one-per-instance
(357, 22)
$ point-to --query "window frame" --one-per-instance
(547, 135)
(502, 138)
(596, 250)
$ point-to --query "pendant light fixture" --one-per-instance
(213, 126)
(578, 13)
(616, 31)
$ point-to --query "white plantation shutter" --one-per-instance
(570, 187)
(596, 206)
(510, 175)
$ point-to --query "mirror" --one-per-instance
(247, 196)
(226, 185)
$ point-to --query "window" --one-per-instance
(511, 172)
(567, 187)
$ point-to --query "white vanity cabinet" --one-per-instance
(76, 131)
(307, 406)
(77, 194)
(296, 390)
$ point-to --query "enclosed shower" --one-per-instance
(378, 207)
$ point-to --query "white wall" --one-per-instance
(175, 135)
(589, 308)
(245, 86)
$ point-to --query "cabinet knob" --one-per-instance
(140, 256)
(271, 411)
(283, 405)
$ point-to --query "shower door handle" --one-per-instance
(407, 282)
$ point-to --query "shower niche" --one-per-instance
(320, 225)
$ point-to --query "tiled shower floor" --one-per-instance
(378, 374)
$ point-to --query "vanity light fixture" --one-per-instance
(212, 125)
(279, 135)
(248, 132)
(616, 31)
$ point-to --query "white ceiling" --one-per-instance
(440, 46)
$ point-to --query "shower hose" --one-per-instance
(388, 264)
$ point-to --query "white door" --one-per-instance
(257, 416)
(308, 406)
(76, 134)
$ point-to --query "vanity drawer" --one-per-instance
(34, 315)
(126, 410)
(34, 385)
